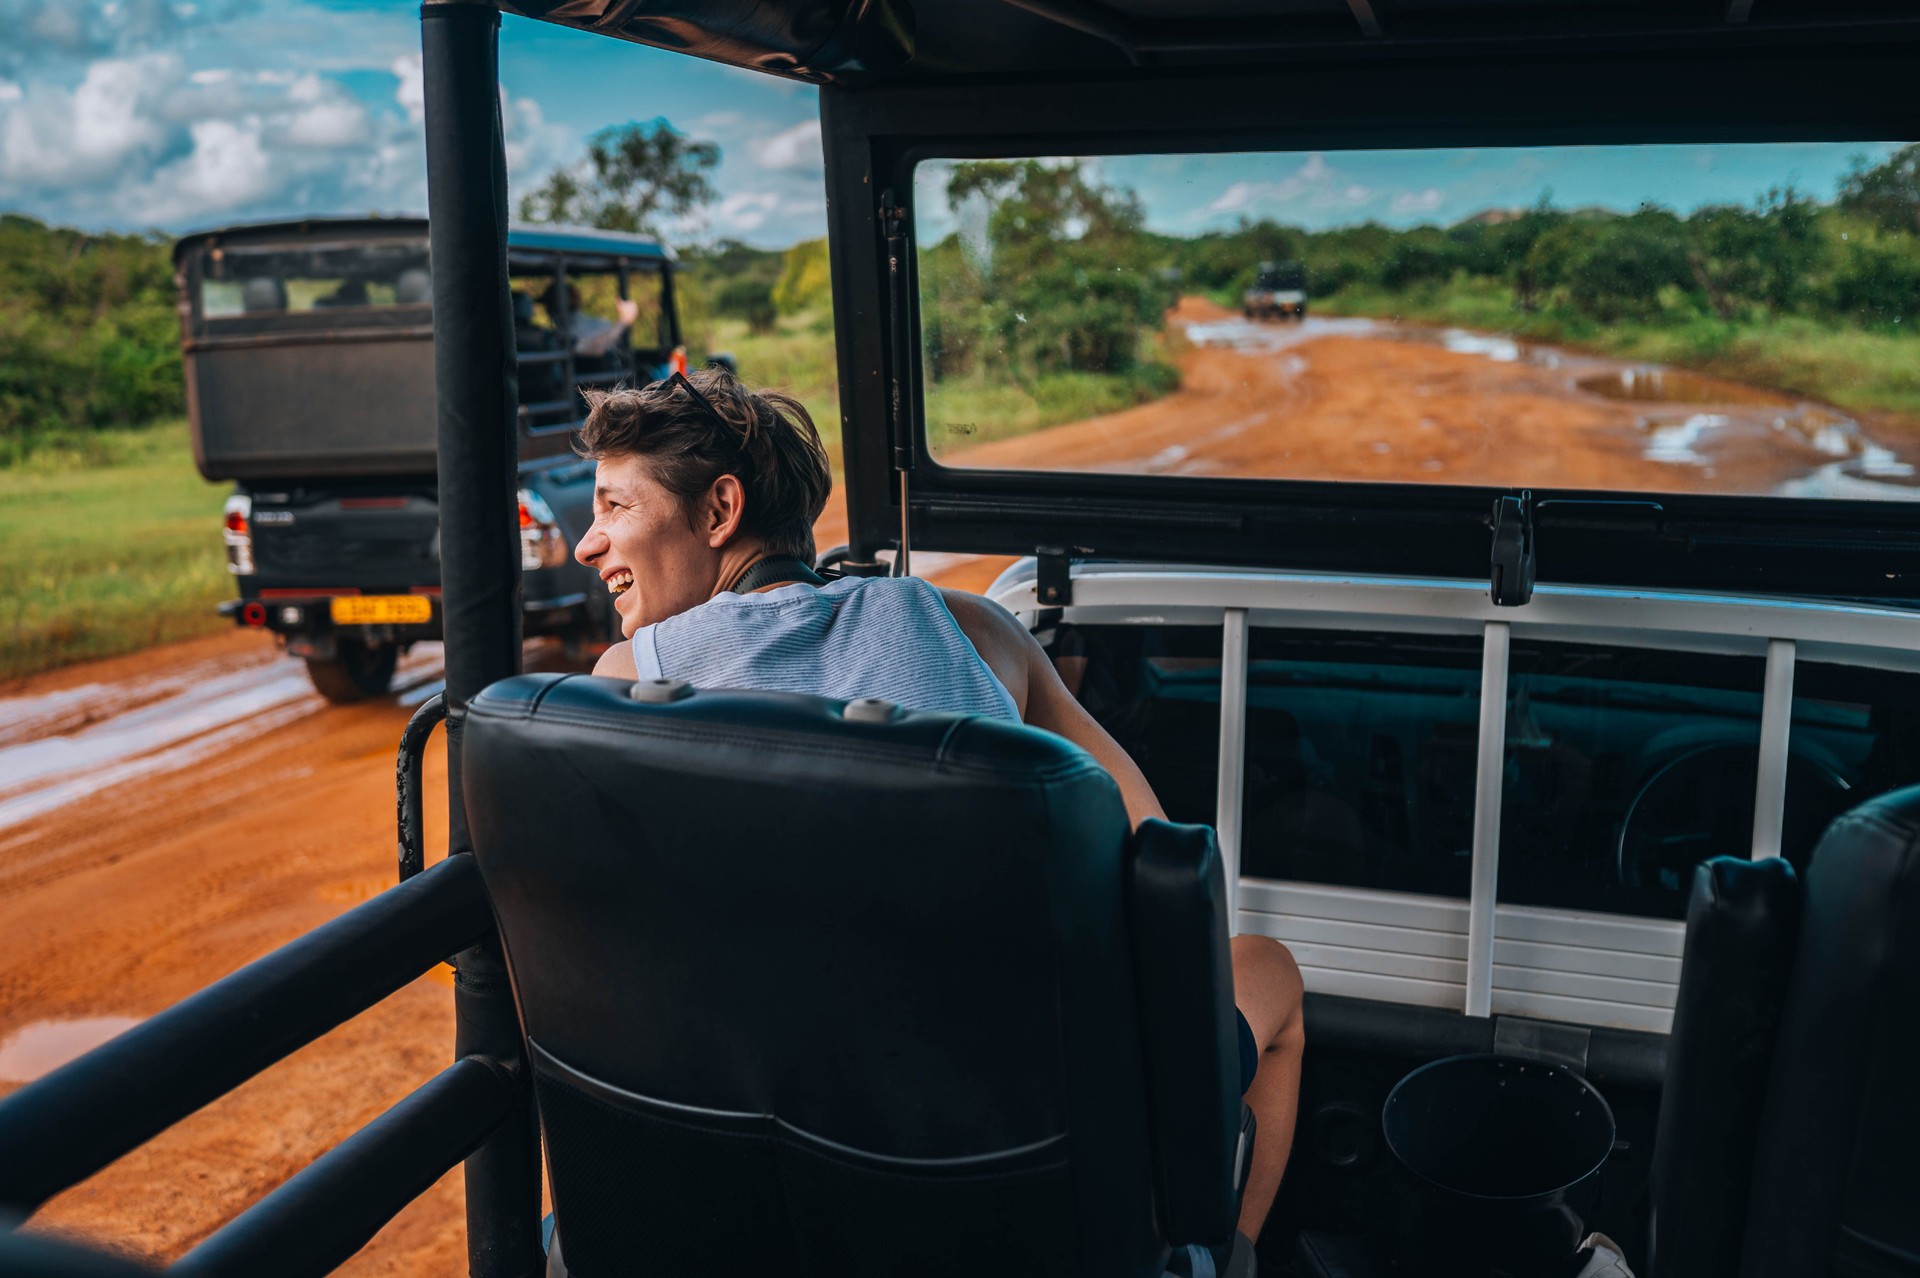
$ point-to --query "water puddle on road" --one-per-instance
(1674, 386)
(44, 1046)
(162, 727)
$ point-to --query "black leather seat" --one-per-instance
(1791, 1115)
(1743, 923)
(1836, 1181)
(811, 991)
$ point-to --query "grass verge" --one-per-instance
(112, 544)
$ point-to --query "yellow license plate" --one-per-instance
(381, 610)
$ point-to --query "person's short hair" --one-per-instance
(765, 438)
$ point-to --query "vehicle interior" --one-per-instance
(1575, 800)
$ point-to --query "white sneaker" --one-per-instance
(1607, 1260)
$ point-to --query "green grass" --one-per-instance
(797, 357)
(111, 544)
(962, 412)
(1862, 370)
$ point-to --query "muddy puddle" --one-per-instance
(35, 1050)
(66, 746)
(1727, 436)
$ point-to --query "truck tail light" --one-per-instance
(239, 535)
(542, 545)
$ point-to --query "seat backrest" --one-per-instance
(1743, 921)
(1835, 1185)
(810, 991)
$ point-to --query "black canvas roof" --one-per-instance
(896, 41)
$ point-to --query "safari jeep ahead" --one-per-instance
(310, 380)
(1530, 639)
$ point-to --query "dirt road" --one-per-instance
(167, 817)
(1360, 399)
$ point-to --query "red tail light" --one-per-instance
(526, 516)
(254, 614)
(237, 522)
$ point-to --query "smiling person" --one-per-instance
(704, 505)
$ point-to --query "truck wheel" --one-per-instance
(358, 672)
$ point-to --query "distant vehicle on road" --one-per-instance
(309, 365)
(1279, 292)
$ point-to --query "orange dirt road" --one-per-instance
(170, 816)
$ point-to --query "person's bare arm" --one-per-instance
(617, 661)
(1043, 700)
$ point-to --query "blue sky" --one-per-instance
(130, 114)
(173, 114)
(1186, 194)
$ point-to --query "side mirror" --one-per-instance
(724, 359)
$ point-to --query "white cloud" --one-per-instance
(794, 148)
(1314, 185)
(411, 93)
(50, 136)
(1426, 201)
(744, 211)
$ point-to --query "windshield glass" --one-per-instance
(263, 283)
(1735, 319)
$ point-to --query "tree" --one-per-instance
(634, 177)
(1887, 194)
(1071, 280)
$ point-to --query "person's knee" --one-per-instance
(1268, 988)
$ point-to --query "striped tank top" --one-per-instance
(888, 637)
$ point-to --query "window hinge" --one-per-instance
(1513, 547)
(893, 227)
(1055, 583)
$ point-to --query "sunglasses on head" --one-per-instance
(679, 380)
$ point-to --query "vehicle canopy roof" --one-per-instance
(573, 241)
(865, 42)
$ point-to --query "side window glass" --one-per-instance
(1625, 768)
(1361, 753)
(1156, 689)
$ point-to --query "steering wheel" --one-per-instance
(1700, 805)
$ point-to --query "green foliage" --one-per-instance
(635, 175)
(88, 333)
(1887, 194)
(748, 299)
(1068, 280)
(805, 283)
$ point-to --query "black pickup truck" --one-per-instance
(309, 361)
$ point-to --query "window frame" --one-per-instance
(873, 139)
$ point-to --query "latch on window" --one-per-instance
(1513, 550)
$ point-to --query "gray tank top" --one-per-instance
(888, 637)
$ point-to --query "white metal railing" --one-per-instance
(1478, 955)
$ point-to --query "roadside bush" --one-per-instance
(747, 299)
(1879, 283)
(806, 282)
(88, 334)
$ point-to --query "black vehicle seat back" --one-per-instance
(1743, 922)
(811, 994)
(1836, 1185)
(263, 293)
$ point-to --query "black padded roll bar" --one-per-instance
(477, 382)
(61, 1129)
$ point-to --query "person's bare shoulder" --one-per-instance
(617, 661)
(997, 635)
